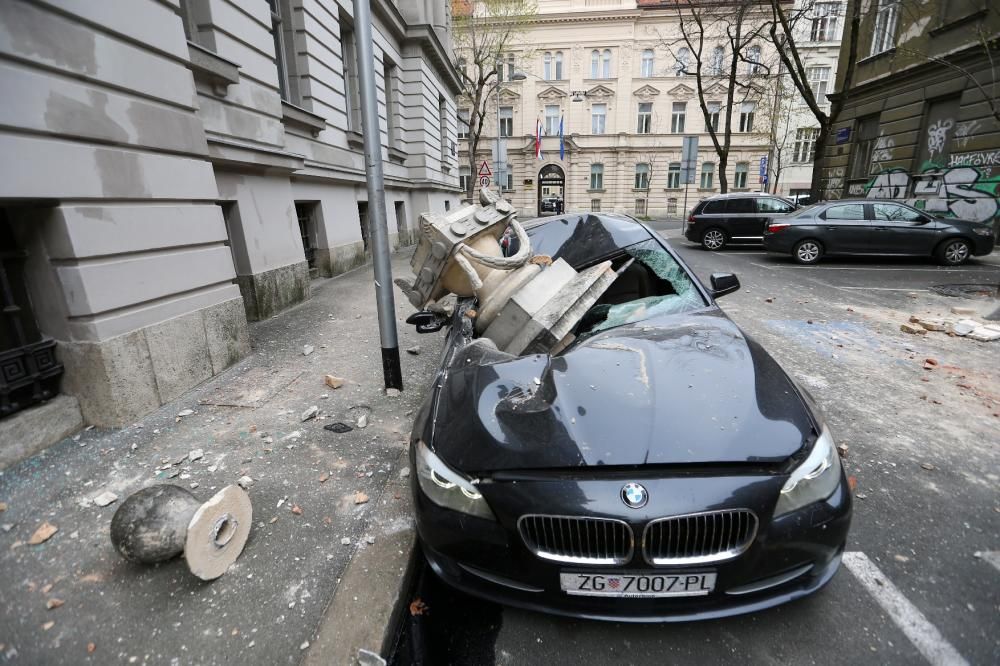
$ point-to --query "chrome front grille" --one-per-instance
(699, 538)
(577, 540)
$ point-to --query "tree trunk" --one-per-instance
(819, 158)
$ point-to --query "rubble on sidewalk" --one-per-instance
(970, 328)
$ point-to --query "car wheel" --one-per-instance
(807, 252)
(713, 239)
(954, 252)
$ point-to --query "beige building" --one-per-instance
(611, 70)
(170, 169)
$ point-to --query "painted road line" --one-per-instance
(924, 635)
(991, 556)
(970, 269)
(878, 288)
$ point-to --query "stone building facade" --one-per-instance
(170, 169)
(920, 120)
(605, 67)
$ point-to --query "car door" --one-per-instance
(844, 228)
(771, 208)
(743, 220)
(898, 229)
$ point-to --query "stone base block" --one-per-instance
(120, 379)
(336, 260)
(27, 432)
(268, 293)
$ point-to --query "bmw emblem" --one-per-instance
(634, 495)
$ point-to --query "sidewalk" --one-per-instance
(270, 606)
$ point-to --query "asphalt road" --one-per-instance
(921, 581)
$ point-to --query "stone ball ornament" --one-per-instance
(161, 522)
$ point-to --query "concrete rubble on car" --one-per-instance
(527, 304)
(968, 328)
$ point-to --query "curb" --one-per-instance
(361, 622)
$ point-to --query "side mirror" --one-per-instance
(724, 283)
(427, 321)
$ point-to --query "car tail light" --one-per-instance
(691, 217)
(776, 227)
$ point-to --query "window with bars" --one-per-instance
(597, 176)
(595, 205)
(645, 121)
(646, 68)
(824, 23)
(506, 121)
(886, 20)
(671, 206)
(674, 176)
(819, 79)
(866, 136)
(805, 142)
(707, 175)
(598, 118)
(677, 116)
(642, 176)
(747, 110)
(640, 206)
(740, 175)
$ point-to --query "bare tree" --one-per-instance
(785, 35)
(737, 29)
(485, 34)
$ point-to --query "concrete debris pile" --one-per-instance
(527, 304)
(968, 328)
(160, 522)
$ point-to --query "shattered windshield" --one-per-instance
(650, 283)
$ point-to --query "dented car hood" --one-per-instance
(678, 389)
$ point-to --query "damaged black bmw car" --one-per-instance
(656, 465)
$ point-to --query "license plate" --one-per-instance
(637, 585)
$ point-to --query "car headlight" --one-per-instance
(446, 487)
(983, 231)
(815, 479)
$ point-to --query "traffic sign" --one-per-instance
(484, 181)
(763, 166)
(484, 169)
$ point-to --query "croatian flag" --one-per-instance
(562, 142)
(538, 138)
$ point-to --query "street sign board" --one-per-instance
(843, 135)
(484, 169)
(484, 181)
(763, 167)
(689, 159)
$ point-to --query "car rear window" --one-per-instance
(740, 206)
(769, 205)
(718, 206)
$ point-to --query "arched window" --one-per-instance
(606, 64)
(647, 63)
(681, 65)
(718, 61)
(595, 64)
(559, 66)
(547, 66)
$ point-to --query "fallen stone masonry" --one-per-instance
(967, 328)
(527, 303)
(160, 522)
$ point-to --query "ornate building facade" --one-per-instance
(614, 74)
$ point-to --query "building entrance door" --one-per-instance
(551, 190)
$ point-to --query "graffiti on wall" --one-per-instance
(964, 192)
